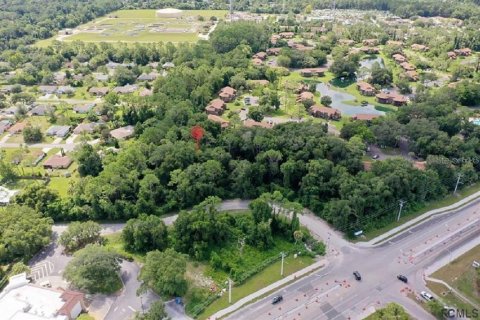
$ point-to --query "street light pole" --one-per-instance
(458, 182)
(400, 211)
(229, 290)
(281, 268)
(141, 303)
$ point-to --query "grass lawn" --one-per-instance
(407, 216)
(449, 298)
(142, 26)
(114, 242)
(262, 279)
(461, 275)
(60, 184)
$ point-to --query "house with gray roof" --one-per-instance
(58, 131)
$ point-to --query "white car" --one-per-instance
(427, 296)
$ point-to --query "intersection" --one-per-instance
(334, 294)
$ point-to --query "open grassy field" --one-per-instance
(462, 276)
(142, 26)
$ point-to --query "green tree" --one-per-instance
(344, 66)
(37, 196)
(79, 234)
(255, 114)
(7, 171)
(23, 232)
(89, 161)
(391, 311)
(95, 269)
(261, 210)
(124, 76)
(380, 75)
(32, 134)
(326, 100)
(145, 233)
(164, 272)
(156, 312)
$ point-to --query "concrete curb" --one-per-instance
(280, 283)
(412, 223)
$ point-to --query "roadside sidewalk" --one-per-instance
(237, 305)
(407, 225)
(461, 296)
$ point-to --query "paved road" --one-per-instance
(333, 293)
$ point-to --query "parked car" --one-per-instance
(427, 296)
(375, 156)
(402, 278)
(357, 275)
(277, 299)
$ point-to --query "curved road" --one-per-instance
(332, 293)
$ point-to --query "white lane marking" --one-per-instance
(131, 309)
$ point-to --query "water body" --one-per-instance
(339, 98)
(368, 63)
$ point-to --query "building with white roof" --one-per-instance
(21, 300)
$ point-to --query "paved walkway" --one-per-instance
(404, 227)
(237, 305)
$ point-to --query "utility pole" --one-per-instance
(281, 268)
(402, 202)
(458, 182)
(229, 290)
(231, 6)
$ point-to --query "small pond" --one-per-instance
(368, 62)
(343, 101)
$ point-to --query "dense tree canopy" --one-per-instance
(23, 232)
(94, 269)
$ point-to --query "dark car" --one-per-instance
(402, 278)
(357, 275)
(277, 299)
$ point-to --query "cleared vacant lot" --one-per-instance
(142, 26)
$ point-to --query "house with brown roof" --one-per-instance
(412, 75)
(366, 88)
(249, 123)
(346, 42)
(395, 43)
(227, 94)
(313, 72)
(223, 123)
(257, 62)
(216, 107)
(370, 50)
(370, 42)
(273, 51)
(419, 47)
(452, 55)
(85, 128)
(389, 98)
(324, 112)
(123, 132)
(260, 55)
(464, 52)
(302, 87)
(17, 127)
(274, 38)
(57, 162)
(399, 58)
(99, 91)
(304, 96)
(407, 66)
(286, 35)
(365, 117)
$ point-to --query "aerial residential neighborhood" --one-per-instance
(239, 160)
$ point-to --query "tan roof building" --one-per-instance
(123, 132)
(57, 162)
(223, 123)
